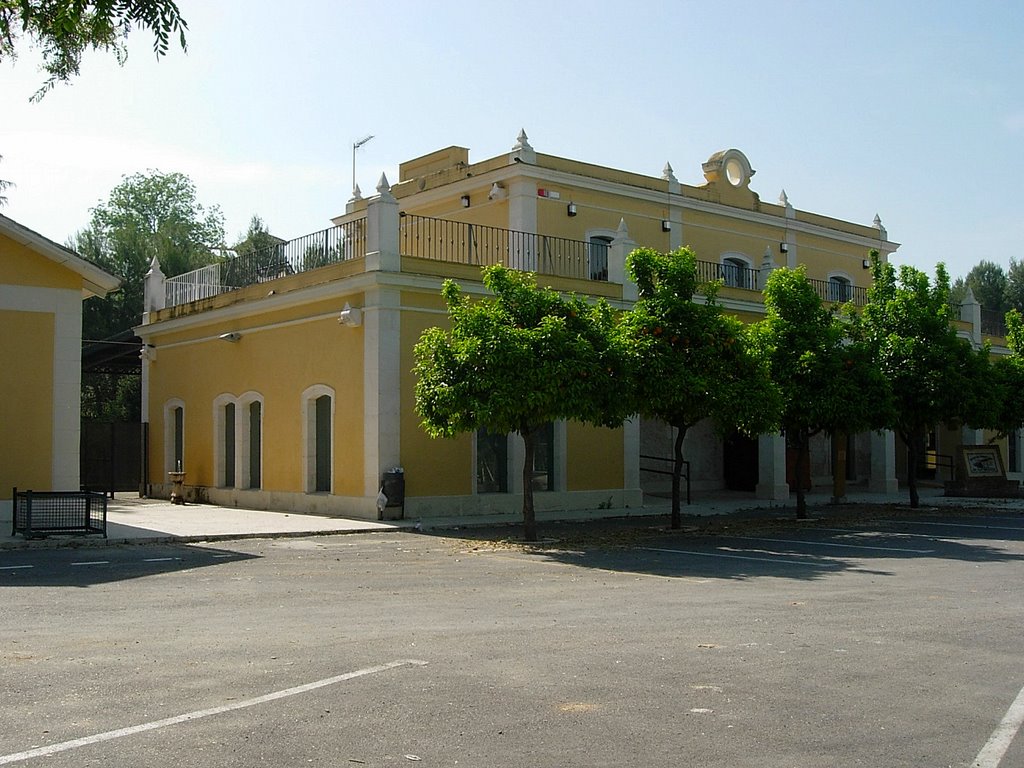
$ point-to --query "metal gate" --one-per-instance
(111, 457)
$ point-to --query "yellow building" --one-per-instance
(283, 379)
(42, 285)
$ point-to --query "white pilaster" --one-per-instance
(883, 463)
(771, 468)
(381, 390)
(382, 248)
(970, 311)
(620, 248)
(522, 217)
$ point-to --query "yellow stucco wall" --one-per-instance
(279, 362)
(433, 466)
(595, 457)
(26, 401)
(21, 266)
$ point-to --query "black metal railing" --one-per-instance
(463, 243)
(38, 513)
(328, 246)
(731, 275)
(840, 292)
(993, 322)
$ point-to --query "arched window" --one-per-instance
(840, 288)
(737, 271)
(250, 440)
(318, 438)
(224, 440)
(491, 462)
(174, 435)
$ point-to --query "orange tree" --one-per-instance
(827, 382)
(691, 360)
(932, 375)
(517, 361)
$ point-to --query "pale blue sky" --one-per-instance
(912, 110)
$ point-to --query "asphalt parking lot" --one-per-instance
(884, 642)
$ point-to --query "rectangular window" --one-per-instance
(229, 445)
(255, 447)
(323, 444)
(544, 458)
(179, 438)
(491, 462)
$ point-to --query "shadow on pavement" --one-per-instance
(93, 565)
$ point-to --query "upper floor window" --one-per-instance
(736, 272)
(598, 261)
(840, 288)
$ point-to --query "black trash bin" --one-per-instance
(393, 486)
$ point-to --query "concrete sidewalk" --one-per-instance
(131, 519)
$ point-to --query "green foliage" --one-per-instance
(516, 361)
(692, 361)
(934, 377)
(987, 281)
(1015, 285)
(65, 29)
(147, 215)
(4, 186)
(826, 380)
(1007, 376)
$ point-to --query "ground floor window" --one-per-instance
(174, 436)
(491, 462)
(318, 439)
(543, 477)
(254, 443)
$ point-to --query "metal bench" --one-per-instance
(40, 513)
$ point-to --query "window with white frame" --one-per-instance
(318, 438)
(250, 440)
(174, 436)
(737, 271)
(840, 288)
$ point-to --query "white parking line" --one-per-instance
(731, 557)
(160, 559)
(107, 736)
(1018, 528)
(830, 544)
(992, 753)
(93, 562)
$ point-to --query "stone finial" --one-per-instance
(969, 297)
(622, 230)
(357, 193)
(154, 268)
(384, 189)
(667, 174)
(522, 152)
(877, 223)
(768, 259)
(783, 198)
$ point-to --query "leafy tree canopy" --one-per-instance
(515, 362)
(827, 382)
(933, 375)
(147, 215)
(692, 360)
(988, 281)
(65, 29)
(1015, 285)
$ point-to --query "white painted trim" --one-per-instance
(309, 398)
(243, 427)
(169, 406)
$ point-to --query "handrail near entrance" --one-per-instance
(685, 475)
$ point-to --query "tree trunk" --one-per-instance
(802, 441)
(677, 473)
(529, 518)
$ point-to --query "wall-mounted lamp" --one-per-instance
(666, 225)
(350, 316)
(148, 352)
(571, 209)
(232, 337)
(783, 247)
(866, 263)
(465, 201)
